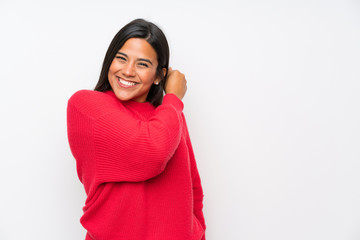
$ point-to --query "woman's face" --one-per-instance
(133, 70)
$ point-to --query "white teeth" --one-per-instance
(126, 82)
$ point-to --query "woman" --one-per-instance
(132, 146)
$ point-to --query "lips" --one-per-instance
(126, 83)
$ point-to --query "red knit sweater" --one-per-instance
(137, 166)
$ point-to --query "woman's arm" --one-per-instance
(111, 145)
(129, 149)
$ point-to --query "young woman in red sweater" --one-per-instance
(132, 147)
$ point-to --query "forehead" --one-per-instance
(138, 48)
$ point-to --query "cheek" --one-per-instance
(112, 68)
(149, 76)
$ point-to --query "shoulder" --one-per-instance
(91, 102)
(87, 95)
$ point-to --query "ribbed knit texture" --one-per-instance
(138, 168)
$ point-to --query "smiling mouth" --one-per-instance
(127, 83)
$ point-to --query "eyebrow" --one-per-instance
(139, 59)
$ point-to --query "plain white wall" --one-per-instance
(272, 106)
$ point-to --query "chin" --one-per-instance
(122, 97)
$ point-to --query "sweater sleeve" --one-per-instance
(126, 148)
(197, 188)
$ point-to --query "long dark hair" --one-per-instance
(139, 28)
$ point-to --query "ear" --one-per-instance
(158, 80)
(164, 71)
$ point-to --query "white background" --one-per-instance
(272, 106)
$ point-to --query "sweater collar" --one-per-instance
(131, 104)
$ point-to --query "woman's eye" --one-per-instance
(121, 58)
(143, 64)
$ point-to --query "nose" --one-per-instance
(129, 69)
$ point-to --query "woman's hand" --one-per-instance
(176, 83)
